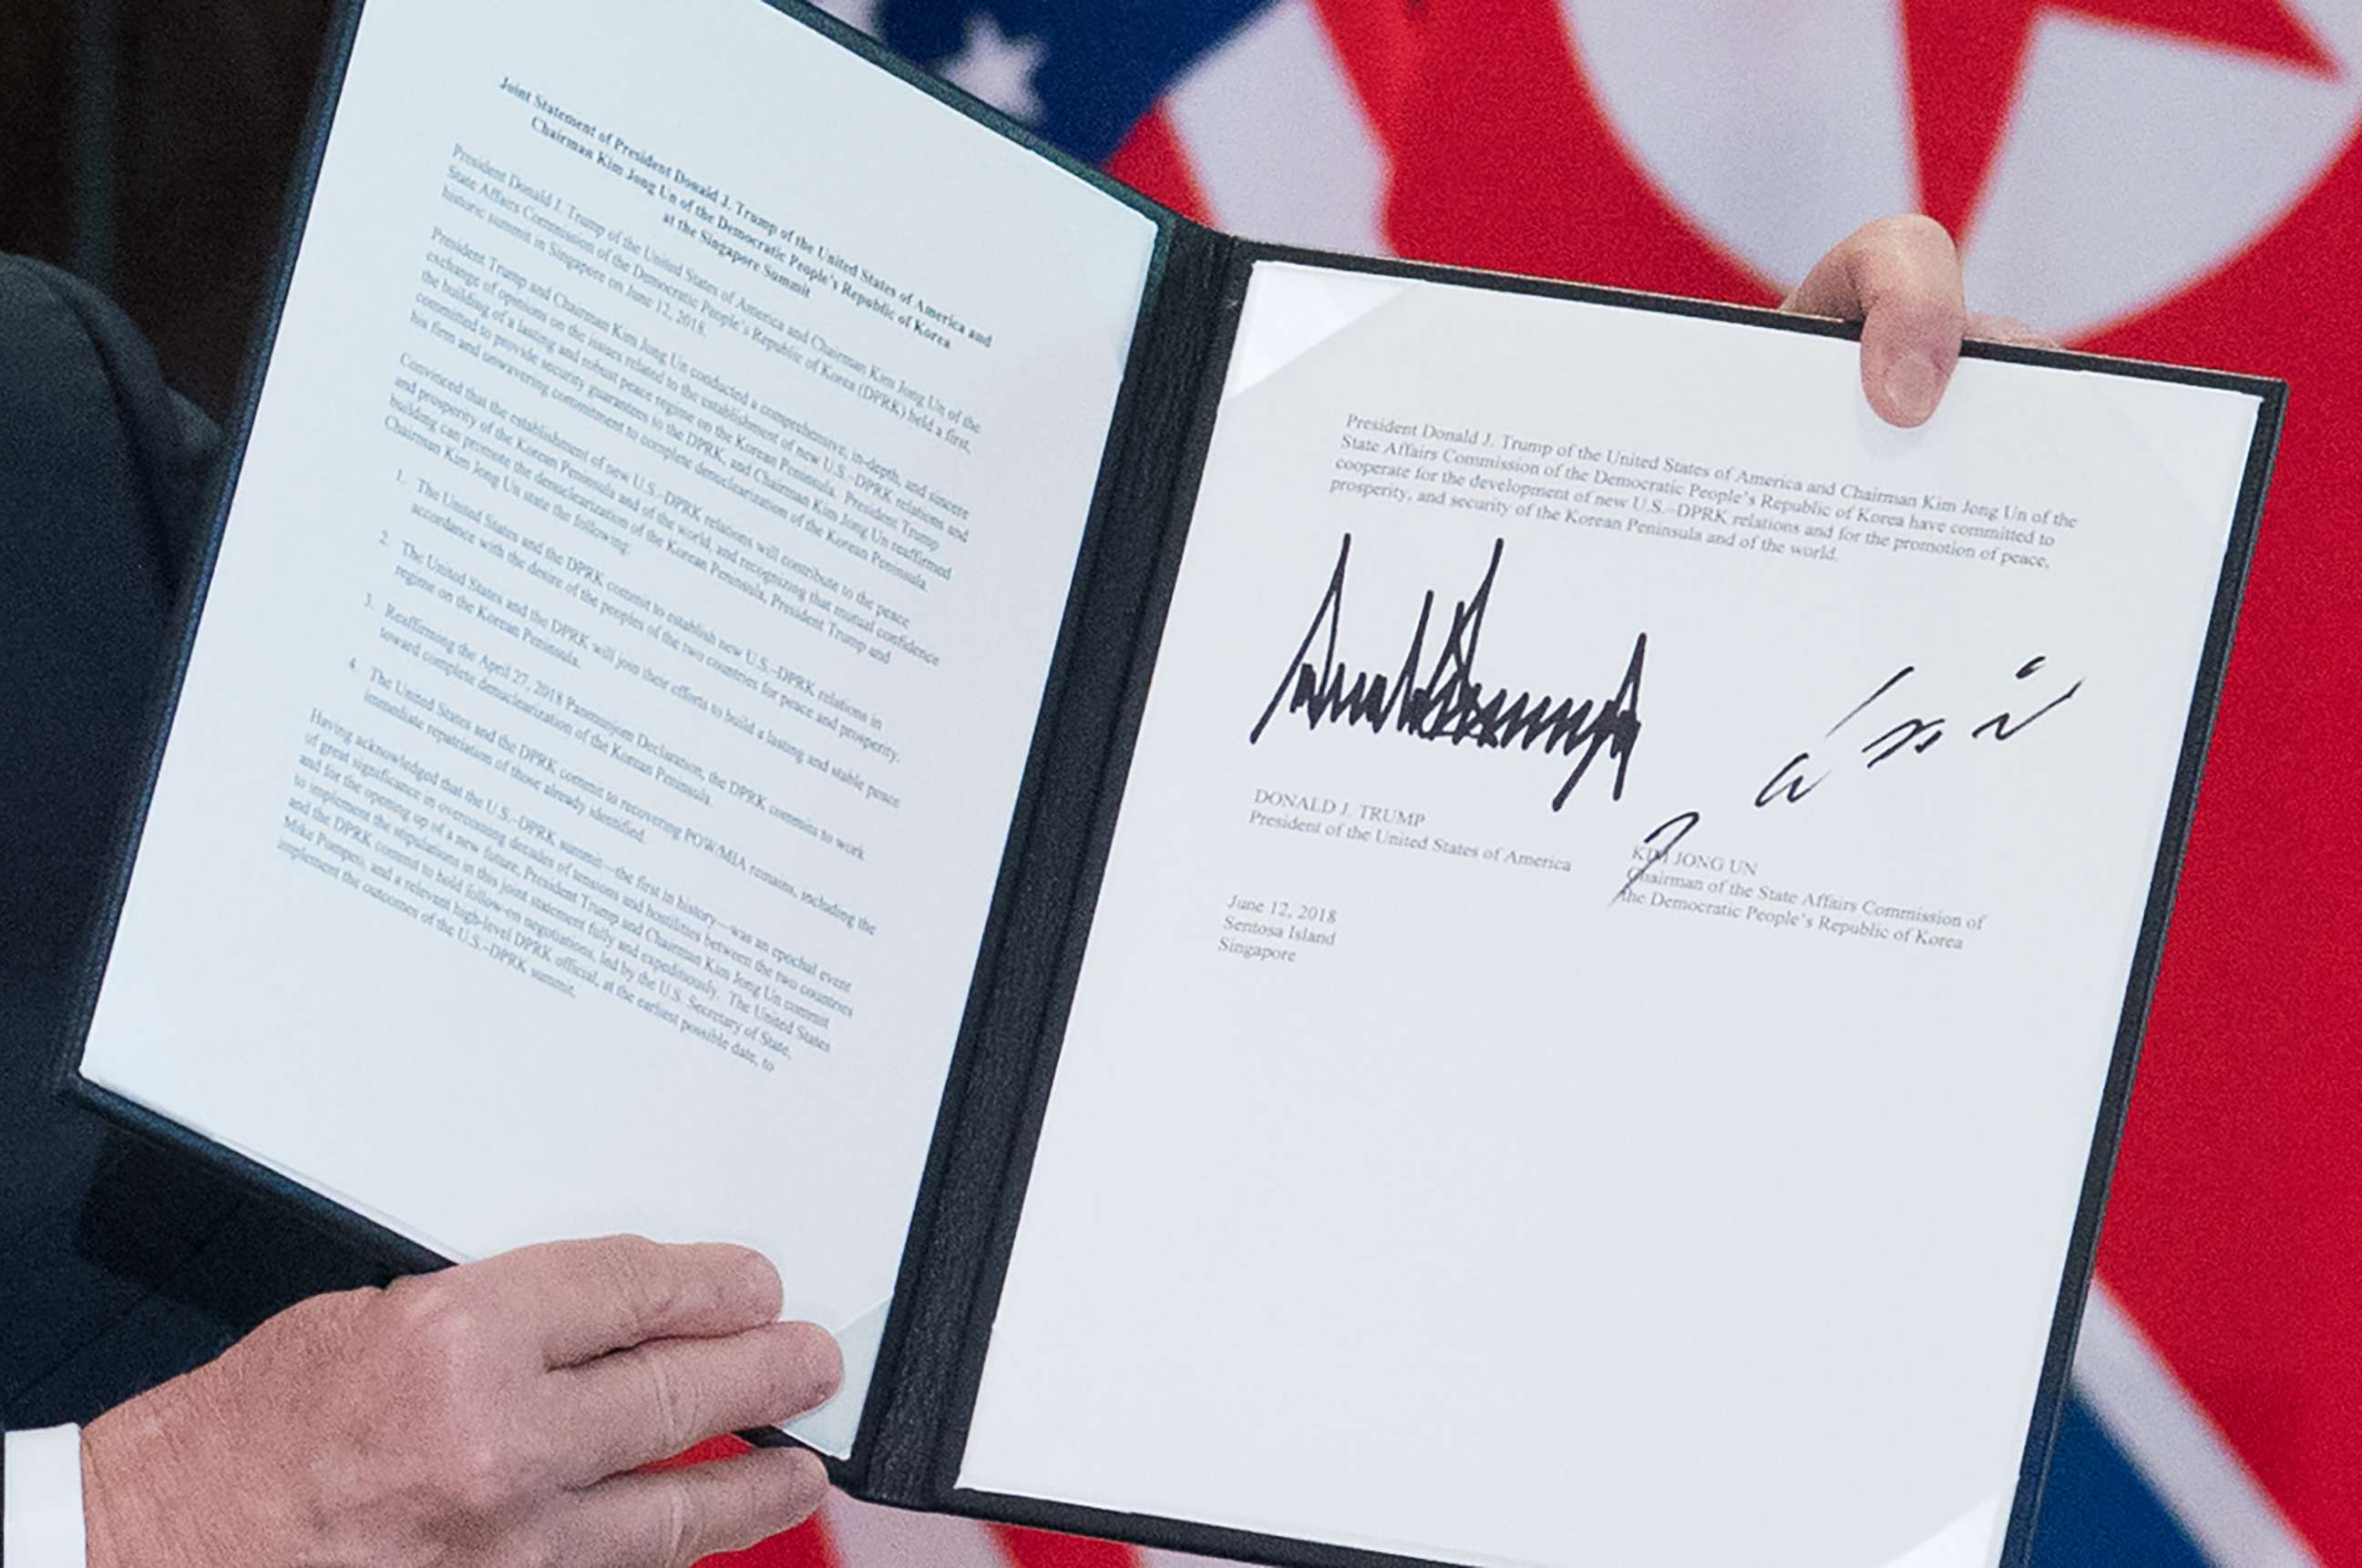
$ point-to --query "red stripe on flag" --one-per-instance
(1379, 43)
(1040, 1549)
(1153, 162)
(2235, 1231)
(1502, 159)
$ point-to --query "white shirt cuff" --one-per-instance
(41, 1512)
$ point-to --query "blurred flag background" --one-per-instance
(2168, 179)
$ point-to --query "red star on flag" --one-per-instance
(1965, 60)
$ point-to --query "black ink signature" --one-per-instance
(1916, 733)
(1451, 704)
(1796, 778)
(1999, 725)
(1684, 822)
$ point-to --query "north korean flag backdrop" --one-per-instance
(2169, 179)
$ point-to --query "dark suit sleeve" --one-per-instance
(121, 1264)
(100, 468)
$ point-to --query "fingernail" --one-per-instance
(812, 1481)
(833, 1378)
(820, 1362)
(761, 1279)
(1911, 387)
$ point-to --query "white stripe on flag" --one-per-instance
(862, 14)
(867, 1536)
(1278, 139)
(2177, 1448)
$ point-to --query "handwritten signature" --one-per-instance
(1913, 735)
(1449, 703)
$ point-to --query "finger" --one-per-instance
(672, 1518)
(585, 1298)
(2009, 330)
(638, 1406)
(1900, 276)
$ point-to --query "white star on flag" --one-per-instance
(997, 69)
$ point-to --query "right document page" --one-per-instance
(1607, 970)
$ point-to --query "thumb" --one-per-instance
(1900, 276)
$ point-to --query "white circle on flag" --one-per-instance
(2131, 164)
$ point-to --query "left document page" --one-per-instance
(604, 727)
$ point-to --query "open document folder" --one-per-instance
(1334, 911)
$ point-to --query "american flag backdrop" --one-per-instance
(2168, 179)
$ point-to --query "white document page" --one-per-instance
(603, 729)
(1415, 1177)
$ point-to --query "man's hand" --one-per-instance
(493, 1413)
(1900, 276)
